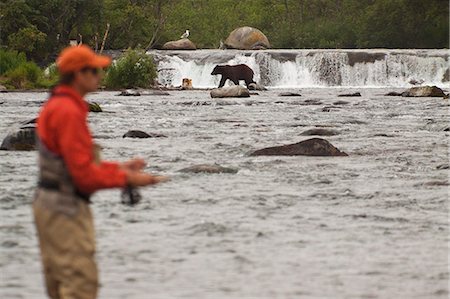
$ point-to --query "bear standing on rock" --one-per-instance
(234, 73)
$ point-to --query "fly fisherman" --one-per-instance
(70, 174)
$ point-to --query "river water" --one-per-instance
(371, 225)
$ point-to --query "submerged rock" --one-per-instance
(339, 103)
(22, 140)
(129, 93)
(424, 91)
(393, 94)
(247, 38)
(320, 132)
(94, 107)
(181, 44)
(256, 86)
(209, 168)
(289, 94)
(235, 91)
(310, 147)
(141, 134)
(356, 94)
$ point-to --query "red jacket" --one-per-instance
(62, 127)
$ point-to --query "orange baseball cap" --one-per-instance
(75, 58)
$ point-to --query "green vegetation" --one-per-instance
(40, 28)
(17, 72)
(133, 69)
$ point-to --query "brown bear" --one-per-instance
(235, 73)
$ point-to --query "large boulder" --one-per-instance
(424, 91)
(181, 44)
(235, 91)
(247, 38)
(310, 147)
(23, 139)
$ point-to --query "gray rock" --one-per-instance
(235, 91)
(424, 91)
(181, 44)
(339, 103)
(141, 134)
(94, 107)
(394, 94)
(209, 168)
(443, 166)
(320, 132)
(247, 38)
(356, 94)
(289, 94)
(129, 93)
(310, 147)
(256, 86)
(22, 140)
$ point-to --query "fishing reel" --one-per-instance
(130, 196)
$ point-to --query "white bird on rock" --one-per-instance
(186, 34)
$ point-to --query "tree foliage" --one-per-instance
(41, 28)
(133, 69)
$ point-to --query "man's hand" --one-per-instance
(138, 179)
(133, 165)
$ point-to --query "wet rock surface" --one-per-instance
(208, 168)
(355, 94)
(256, 86)
(141, 134)
(24, 139)
(130, 93)
(310, 147)
(320, 132)
(95, 108)
(235, 91)
(424, 91)
(289, 94)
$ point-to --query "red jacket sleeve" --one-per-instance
(76, 147)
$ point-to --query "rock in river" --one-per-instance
(256, 86)
(310, 147)
(424, 91)
(356, 94)
(247, 38)
(22, 140)
(319, 132)
(209, 168)
(181, 44)
(235, 91)
(289, 94)
(94, 107)
(129, 93)
(141, 134)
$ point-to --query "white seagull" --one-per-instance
(186, 34)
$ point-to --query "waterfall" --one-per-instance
(309, 68)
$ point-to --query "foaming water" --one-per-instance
(371, 225)
(309, 68)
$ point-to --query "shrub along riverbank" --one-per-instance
(134, 69)
(16, 72)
